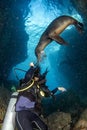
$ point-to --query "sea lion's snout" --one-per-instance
(38, 54)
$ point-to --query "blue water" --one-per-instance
(41, 13)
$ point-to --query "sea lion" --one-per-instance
(56, 27)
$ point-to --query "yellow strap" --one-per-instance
(21, 90)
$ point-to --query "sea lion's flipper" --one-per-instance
(59, 40)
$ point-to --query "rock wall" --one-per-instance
(81, 7)
(13, 38)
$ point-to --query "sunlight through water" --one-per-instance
(39, 17)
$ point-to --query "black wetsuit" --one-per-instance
(27, 110)
(26, 113)
(26, 119)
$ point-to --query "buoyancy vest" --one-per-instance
(24, 103)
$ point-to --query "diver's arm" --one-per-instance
(58, 89)
(54, 90)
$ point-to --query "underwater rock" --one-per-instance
(81, 125)
(69, 109)
(59, 121)
(81, 7)
(13, 38)
(82, 122)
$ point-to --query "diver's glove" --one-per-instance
(31, 64)
(62, 89)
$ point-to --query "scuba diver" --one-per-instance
(28, 106)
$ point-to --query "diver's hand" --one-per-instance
(62, 89)
(31, 64)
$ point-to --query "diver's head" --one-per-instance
(36, 78)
